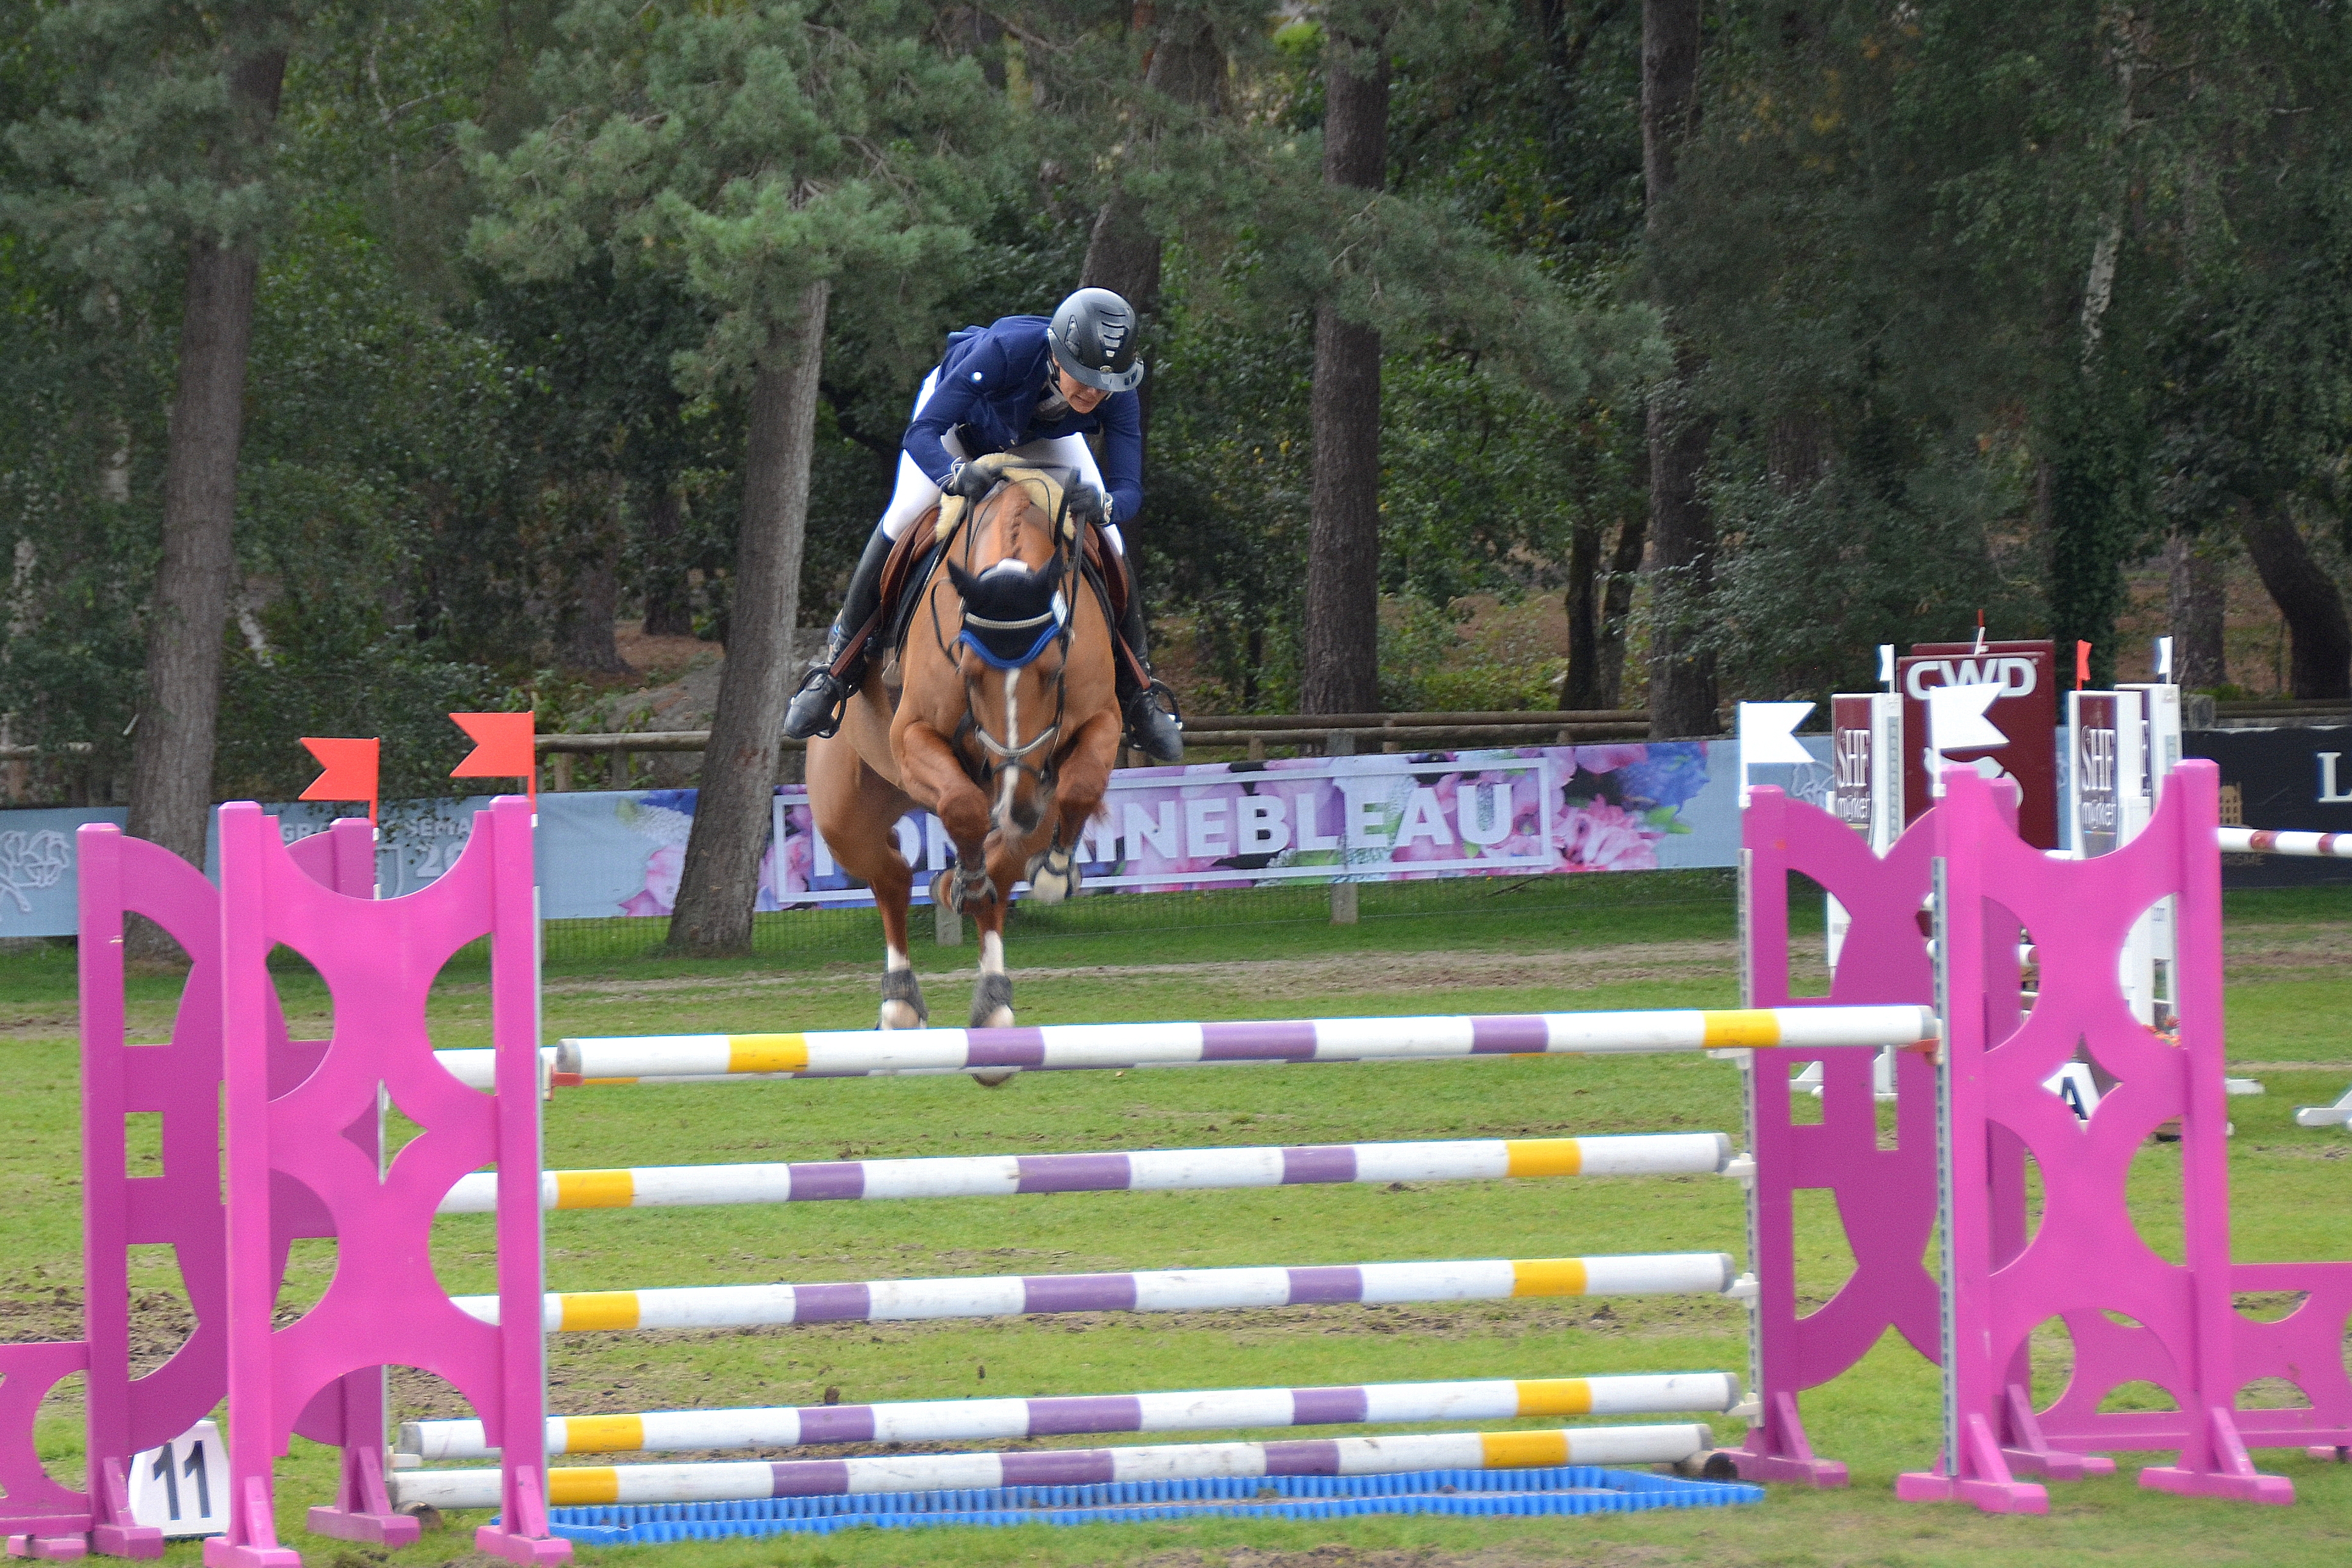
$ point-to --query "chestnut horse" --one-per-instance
(1003, 723)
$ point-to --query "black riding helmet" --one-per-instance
(1093, 338)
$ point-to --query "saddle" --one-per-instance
(915, 560)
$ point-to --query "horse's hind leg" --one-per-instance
(857, 811)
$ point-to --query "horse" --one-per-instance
(1002, 722)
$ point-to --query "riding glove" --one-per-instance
(969, 480)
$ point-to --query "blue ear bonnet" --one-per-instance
(1010, 613)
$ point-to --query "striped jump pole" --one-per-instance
(2269, 841)
(573, 1486)
(475, 1068)
(867, 1052)
(1150, 1170)
(1003, 1420)
(1162, 1290)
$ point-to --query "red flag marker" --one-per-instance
(502, 748)
(351, 771)
(2081, 664)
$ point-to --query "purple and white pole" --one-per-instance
(1004, 1420)
(1158, 1290)
(1150, 1170)
(869, 1052)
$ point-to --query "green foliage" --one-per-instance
(1433, 660)
(370, 419)
(754, 151)
(521, 260)
(1490, 266)
(78, 552)
(139, 143)
(1989, 296)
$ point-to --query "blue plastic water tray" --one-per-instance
(1563, 1489)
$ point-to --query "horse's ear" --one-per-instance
(964, 581)
(1053, 569)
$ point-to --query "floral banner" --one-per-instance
(1529, 811)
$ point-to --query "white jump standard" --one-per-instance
(869, 1052)
(1150, 1170)
(1158, 1290)
(1003, 1420)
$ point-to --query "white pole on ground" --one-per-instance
(753, 1480)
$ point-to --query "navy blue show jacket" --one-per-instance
(992, 379)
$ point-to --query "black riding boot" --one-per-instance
(817, 706)
(1154, 727)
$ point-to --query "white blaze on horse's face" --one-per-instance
(1015, 708)
(1012, 738)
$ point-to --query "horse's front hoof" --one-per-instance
(902, 1000)
(961, 894)
(1054, 876)
(992, 1002)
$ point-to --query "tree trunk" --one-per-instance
(593, 595)
(720, 880)
(1617, 608)
(1682, 531)
(179, 711)
(1576, 692)
(1342, 662)
(668, 611)
(1599, 595)
(2319, 641)
(2198, 603)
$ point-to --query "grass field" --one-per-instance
(1597, 943)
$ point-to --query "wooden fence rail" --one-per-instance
(1329, 733)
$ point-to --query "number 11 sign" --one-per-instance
(183, 1487)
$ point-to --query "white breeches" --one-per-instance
(916, 494)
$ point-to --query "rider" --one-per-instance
(1031, 387)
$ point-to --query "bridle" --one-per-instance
(1001, 760)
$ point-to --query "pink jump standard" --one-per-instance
(385, 1305)
(2085, 1260)
(303, 1160)
(2001, 1276)
(179, 1083)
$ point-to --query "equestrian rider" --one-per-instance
(1031, 387)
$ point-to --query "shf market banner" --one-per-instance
(1523, 812)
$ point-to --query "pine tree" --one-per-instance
(779, 158)
(151, 171)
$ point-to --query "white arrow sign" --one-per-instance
(1767, 735)
(1956, 722)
